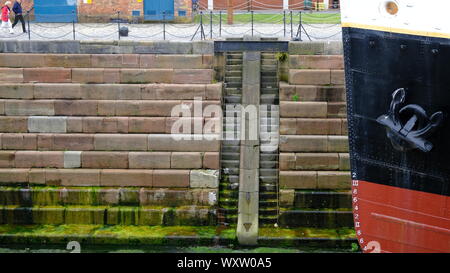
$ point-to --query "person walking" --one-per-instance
(6, 23)
(17, 8)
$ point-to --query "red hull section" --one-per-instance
(392, 219)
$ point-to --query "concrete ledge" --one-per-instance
(316, 48)
(107, 47)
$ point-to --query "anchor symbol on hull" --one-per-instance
(413, 133)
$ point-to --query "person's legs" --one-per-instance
(16, 20)
(10, 27)
(22, 20)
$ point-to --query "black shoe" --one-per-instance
(25, 31)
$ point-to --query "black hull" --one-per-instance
(378, 63)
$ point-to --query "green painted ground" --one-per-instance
(265, 18)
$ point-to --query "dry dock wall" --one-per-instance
(85, 134)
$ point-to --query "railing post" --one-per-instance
(220, 23)
(252, 22)
(201, 26)
(164, 25)
(210, 25)
(118, 23)
(292, 29)
(284, 23)
(73, 26)
(300, 26)
(28, 23)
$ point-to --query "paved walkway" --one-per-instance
(175, 32)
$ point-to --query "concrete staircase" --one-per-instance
(269, 135)
(314, 162)
(230, 154)
(86, 140)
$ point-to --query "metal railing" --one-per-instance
(289, 24)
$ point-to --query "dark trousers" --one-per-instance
(16, 20)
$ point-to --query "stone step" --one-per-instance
(315, 180)
(267, 187)
(230, 156)
(233, 73)
(316, 199)
(269, 78)
(268, 172)
(169, 61)
(316, 62)
(313, 126)
(268, 203)
(101, 75)
(234, 56)
(271, 121)
(267, 61)
(267, 220)
(335, 93)
(109, 159)
(158, 178)
(316, 218)
(93, 108)
(234, 61)
(269, 157)
(315, 161)
(271, 91)
(268, 211)
(230, 163)
(230, 180)
(269, 99)
(233, 99)
(268, 178)
(316, 76)
(268, 164)
(269, 68)
(269, 73)
(269, 148)
(92, 125)
(231, 171)
(115, 91)
(269, 85)
(231, 149)
(111, 142)
(314, 143)
(233, 79)
(104, 215)
(313, 109)
(106, 196)
(233, 85)
(233, 67)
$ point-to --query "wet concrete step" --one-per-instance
(235, 99)
(43, 236)
(106, 215)
(230, 156)
(233, 67)
(105, 196)
(230, 163)
(234, 62)
(236, 73)
(233, 85)
(231, 149)
(269, 157)
(268, 164)
(233, 79)
(267, 203)
(322, 200)
(316, 218)
(339, 238)
(234, 56)
(231, 171)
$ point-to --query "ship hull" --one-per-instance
(401, 197)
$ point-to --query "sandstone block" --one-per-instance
(171, 178)
(204, 179)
